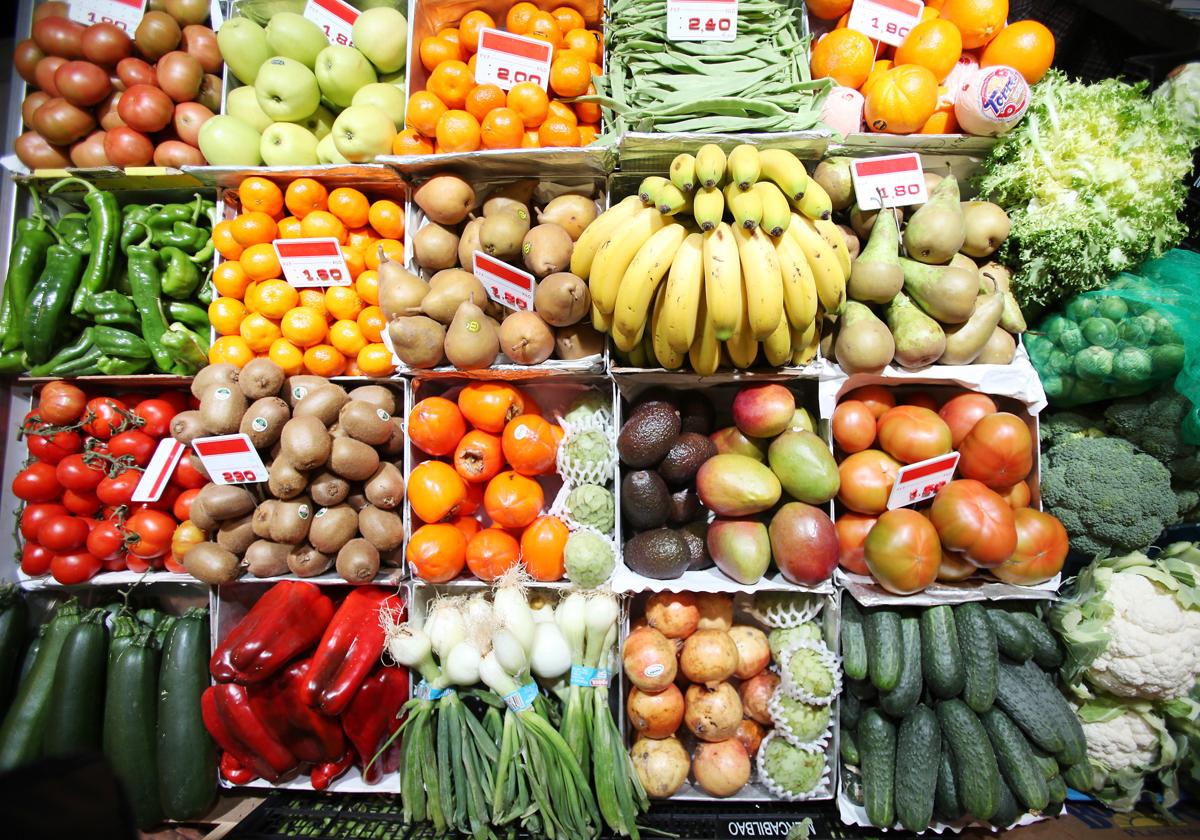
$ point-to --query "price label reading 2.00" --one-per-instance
(335, 17)
(889, 181)
(312, 262)
(504, 60)
(702, 20)
(123, 14)
(885, 20)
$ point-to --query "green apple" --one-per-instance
(382, 36)
(363, 131)
(398, 79)
(287, 144)
(388, 98)
(242, 103)
(341, 71)
(244, 47)
(327, 151)
(227, 141)
(287, 91)
(320, 123)
(295, 36)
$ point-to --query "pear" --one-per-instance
(964, 343)
(1000, 349)
(961, 260)
(945, 292)
(417, 340)
(863, 343)
(400, 291)
(449, 288)
(876, 276)
(833, 174)
(501, 234)
(1011, 318)
(986, 225)
(471, 341)
(936, 232)
(863, 220)
(920, 340)
(468, 244)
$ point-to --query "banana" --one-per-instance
(722, 281)
(815, 203)
(832, 234)
(776, 214)
(598, 232)
(799, 287)
(601, 322)
(762, 281)
(639, 356)
(826, 269)
(777, 347)
(617, 253)
(804, 344)
(710, 165)
(642, 279)
(666, 355)
(742, 346)
(671, 199)
(786, 171)
(746, 206)
(683, 291)
(708, 207)
(683, 172)
(705, 352)
(648, 189)
(743, 166)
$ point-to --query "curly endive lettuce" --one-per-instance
(1092, 179)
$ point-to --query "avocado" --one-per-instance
(696, 411)
(648, 435)
(660, 554)
(685, 457)
(685, 507)
(658, 395)
(645, 500)
(695, 539)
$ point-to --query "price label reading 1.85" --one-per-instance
(123, 14)
(504, 60)
(506, 285)
(335, 17)
(889, 181)
(885, 20)
(230, 459)
(702, 20)
(312, 262)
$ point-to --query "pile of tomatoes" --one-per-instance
(87, 455)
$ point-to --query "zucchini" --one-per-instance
(30, 656)
(77, 697)
(1018, 765)
(848, 746)
(130, 712)
(1080, 777)
(976, 774)
(1008, 811)
(187, 762)
(881, 629)
(1058, 794)
(854, 644)
(945, 797)
(125, 630)
(903, 698)
(850, 709)
(1046, 651)
(1035, 705)
(14, 616)
(877, 747)
(980, 658)
(941, 659)
(1046, 761)
(1011, 638)
(918, 753)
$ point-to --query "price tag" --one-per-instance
(335, 17)
(230, 459)
(885, 20)
(216, 15)
(889, 181)
(124, 14)
(922, 480)
(506, 285)
(702, 20)
(504, 59)
(158, 471)
(312, 262)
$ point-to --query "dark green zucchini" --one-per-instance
(187, 763)
(130, 720)
(14, 620)
(77, 697)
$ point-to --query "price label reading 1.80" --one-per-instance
(506, 285)
(889, 181)
(312, 262)
(922, 480)
(504, 60)
(123, 14)
(885, 20)
(702, 20)
(230, 459)
(335, 17)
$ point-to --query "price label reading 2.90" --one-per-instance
(335, 17)
(702, 20)
(889, 181)
(885, 20)
(312, 262)
(230, 459)
(123, 14)
(504, 60)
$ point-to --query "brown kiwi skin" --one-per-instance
(284, 481)
(305, 442)
(260, 378)
(385, 488)
(186, 426)
(358, 561)
(392, 559)
(306, 561)
(332, 528)
(366, 422)
(336, 431)
(384, 529)
(221, 409)
(376, 394)
(396, 443)
(296, 388)
(210, 563)
(353, 460)
(290, 521)
(328, 489)
(267, 559)
(236, 534)
(324, 403)
(264, 419)
(260, 522)
(222, 374)
(200, 517)
(225, 501)
(357, 501)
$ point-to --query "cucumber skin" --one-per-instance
(976, 774)
(941, 658)
(877, 747)
(981, 659)
(883, 638)
(854, 643)
(918, 753)
(904, 697)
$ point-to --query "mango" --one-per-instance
(805, 467)
(730, 440)
(741, 548)
(763, 411)
(737, 485)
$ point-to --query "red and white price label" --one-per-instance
(702, 20)
(889, 181)
(335, 17)
(158, 471)
(504, 59)
(124, 14)
(506, 285)
(922, 480)
(230, 459)
(889, 21)
(312, 262)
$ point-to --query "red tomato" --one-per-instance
(62, 533)
(74, 568)
(183, 504)
(74, 473)
(186, 475)
(157, 413)
(177, 400)
(1017, 496)
(876, 397)
(116, 563)
(867, 478)
(119, 490)
(81, 502)
(903, 552)
(34, 515)
(61, 403)
(974, 520)
(1042, 545)
(962, 412)
(105, 417)
(153, 530)
(134, 443)
(53, 448)
(37, 483)
(171, 565)
(853, 426)
(35, 560)
(954, 567)
(998, 451)
(922, 399)
(106, 541)
(852, 530)
(910, 433)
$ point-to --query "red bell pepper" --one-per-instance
(231, 717)
(232, 770)
(373, 717)
(313, 737)
(323, 774)
(349, 650)
(285, 622)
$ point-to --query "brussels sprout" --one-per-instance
(1060, 362)
(1133, 364)
(1112, 307)
(1099, 332)
(1094, 364)
(1081, 308)
(1167, 360)
(1071, 340)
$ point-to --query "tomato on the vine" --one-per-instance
(53, 448)
(116, 563)
(81, 502)
(157, 413)
(74, 473)
(35, 560)
(63, 533)
(107, 540)
(134, 443)
(37, 483)
(74, 568)
(153, 530)
(119, 489)
(105, 417)
(61, 403)
(35, 514)
(186, 475)
(183, 504)
(178, 400)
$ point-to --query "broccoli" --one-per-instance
(1154, 424)
(1111, 498)
(1064, 425)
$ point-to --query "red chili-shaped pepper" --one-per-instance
(373, 716)
(323, 774)
(313, 737)
(285, 622)
(233, 770)
(349, 650)
(231, 717)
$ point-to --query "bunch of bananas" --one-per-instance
(711, 290)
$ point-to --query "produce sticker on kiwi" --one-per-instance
(312, 262)
(230, 459)
(505, 285)
(702, 20)
(889, 181)
(123, 14)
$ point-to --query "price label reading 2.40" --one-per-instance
(702, 20)
(885, 20)
(312, 262)
(335, 17)
(889, 181)
(504, 60)
(123, 14)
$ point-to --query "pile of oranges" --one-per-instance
(332, 331)
(454, 114)
(488, 449)
(907, 88)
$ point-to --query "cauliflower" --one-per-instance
(1128, 743)
(1124, 742)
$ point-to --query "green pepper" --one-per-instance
(169, 214)
(187, 348)
(104, 234)
(115, 342)
(70, 353)
(50, 301)
(189, 314)
(25, 262)
(183, 235)
(205, 254)
(86, 365)
(120, 366)
(13, 361)
(146, 282)
(112, 309)
(133, 224)
(72, 230)
(180, 275)
(206, 293)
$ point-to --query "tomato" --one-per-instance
(105, 417)
(74, 568)
(177, 400)
(998, 451)
(902, 551)
(157, 413)
(186, 535)
(922, 399)
(37, 483)
(62, 533)
(61, 403)
(35, 560)
(106, 540)
(852, 530)
(53, 448)
(136, 444)
(81, 502)
(34, 515)
(974, 520)
(866, 480)
(876, 397)
(1042, 545)
(853, 426)
(153, 530)
(910, 433)
(962, 412)
(1017, 496)
(182, 508)
(116, 563)
(186, 475)
(74, 473)
(119, 490)
(954, 567)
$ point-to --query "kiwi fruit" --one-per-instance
(236, 534)
(264, 419)
(225, 501)
(445, 198)
(199, 467)
(186, 426)
(290, 521)
(336, 431)
(260, 378)
(323, 403)
(305, 442)
(562, 299)
(209, 563)
(284, 481)
(328, 489)
(396, 443)
(366, 422)
(267, 559)
(382, 528)
(222, 374)
(200, 517)
(332, 528)
(378, 395)
(353, 460)
(261, 520)
(221, 409)
(306, 561)
(393, 559)
(385, 488)
(296, 388)
(435, 247)
(357, 501)
(358, 561)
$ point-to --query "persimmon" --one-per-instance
(490, 405)
(436, 492)
(542, 545)
(512, 500)
(530, 446)
(479, 456)
(473, 501)
(491, 553)
(437, 553)
(469, 525)
(436, 425)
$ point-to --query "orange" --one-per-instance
(471, 66)
(469, 26)
(544, 27)
(582, 41)
(387, 218)
(391, 248)
(305, 195)
(934, 44)
(558, 132)
(450, 82)
(530, 102)
(519, 18)
(253, 228)
(457, 131)
(257, 193)
(568, 19)
(225, 313)
(587, 112)
(410, 142)
(943, 120)
(352, 368)
(367, 286)
(929, 13)
(434, 50)
(901, 100)
(361, 238)
(562, 111)
(371, 322)
(422, 112)
(529, 140)
(230, 349)
(314, 299)
(843, 55)
(250, 298)
(588, 134)
(1027, 46)
(324, 360)
(260, 262)
(501, 129)
(350, 206)
(375, 360)
(289, 228)
(324, 223)
(355, 261)
(828, 9)
(259, 332)
(451, 34)
(223, 240)
(570, 75)
(878, 69)
(229, 279)
(287, 355)
(484, 98)
(347, 337)
(303, 326)
(343, 302)
(275, 298)
(979, 21)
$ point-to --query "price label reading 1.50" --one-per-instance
(504, 60)
(123, 14)
(702, 20)
(335, 17)
(505, 285)
(888, 181)
(888, 21)
(312, 262)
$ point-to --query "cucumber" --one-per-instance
(1058, 794)
(976, 774)
(977, 643)
(918, 753)
(1011, 638)
(1008, 810)
(862, 689)
(945, 798)
(14, 616)
(77, 697)
(187, 762)
(1031, 700)
(1018, 765)
(941, 659)
(903, 698)
(1048, 764)
(849, 710)
(1080, 777)
(1046, 651)
(882, 631)
(854, 644)
(130, 712)
(848, 746)
(877, 747)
